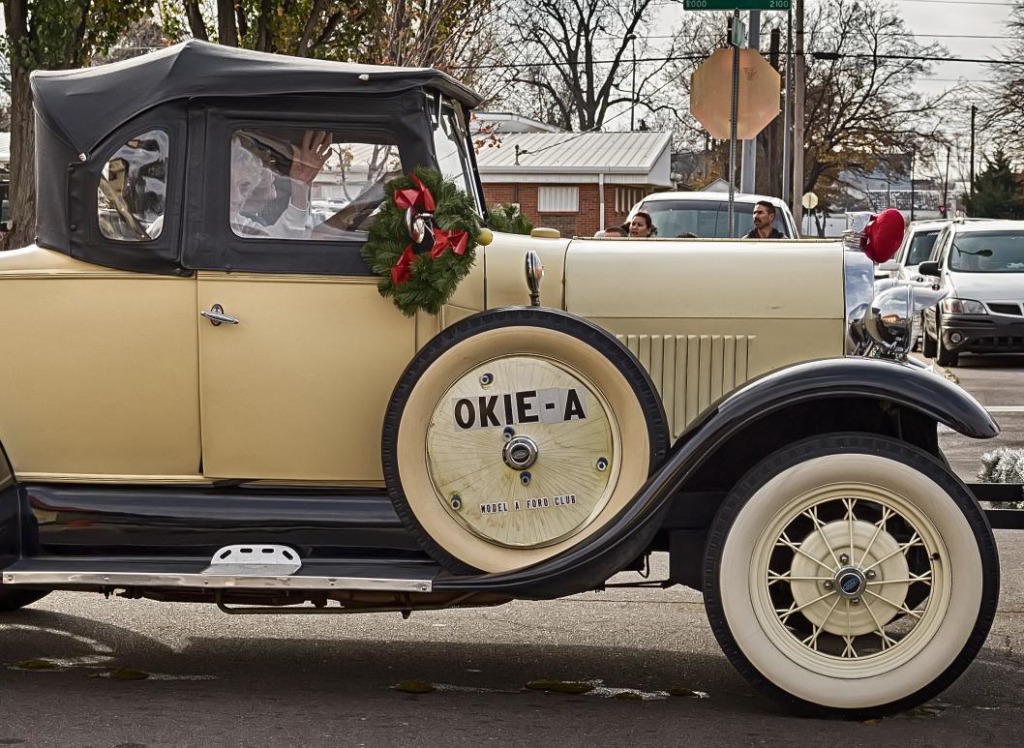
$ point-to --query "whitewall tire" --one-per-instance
(851, 574)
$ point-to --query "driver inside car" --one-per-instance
(253, 188)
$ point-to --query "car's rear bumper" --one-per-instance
(982, 334)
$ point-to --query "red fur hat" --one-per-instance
(883, 234)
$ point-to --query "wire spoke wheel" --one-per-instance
(851, 575)
(859, 573)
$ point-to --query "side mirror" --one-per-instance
(889, 266)
(929, 268)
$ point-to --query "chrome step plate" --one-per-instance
(254, 561)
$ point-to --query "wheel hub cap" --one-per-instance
(850, 582)
(860, 564)
(520, 452)
(485, 441)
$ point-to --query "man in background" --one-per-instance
(764, 222)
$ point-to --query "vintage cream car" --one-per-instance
(206, 398)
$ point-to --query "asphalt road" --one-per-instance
(80, 670)
(998, 384)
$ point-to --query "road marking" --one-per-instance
(1005, 408)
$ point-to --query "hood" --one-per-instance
(987, 286)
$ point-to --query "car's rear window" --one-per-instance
(921, 247)
(703, 218)
(988, 252)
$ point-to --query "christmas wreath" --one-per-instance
(423, 241)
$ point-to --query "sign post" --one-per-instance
(735, 41)
(734, 107)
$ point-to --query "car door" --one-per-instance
(940, 251)
(298, 352)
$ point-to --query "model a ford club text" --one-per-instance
(543, 502)
(554, 405)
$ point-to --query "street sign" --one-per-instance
(809, 201)
(736, 4)
(711, 94)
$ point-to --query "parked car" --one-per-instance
(706, 214)
(916, 248)
(205, 402)
(981, 264)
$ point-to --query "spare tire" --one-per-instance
(515, 434)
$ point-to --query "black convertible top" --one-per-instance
(84, 106)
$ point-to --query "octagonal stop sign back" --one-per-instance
(711, 94)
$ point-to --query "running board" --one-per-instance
(386, 576)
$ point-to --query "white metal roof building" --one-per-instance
(590, 157)
(575, 181)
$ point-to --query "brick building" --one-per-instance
(575, 182)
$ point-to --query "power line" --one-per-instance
(818, 55)
(915, 58)
(961, 2)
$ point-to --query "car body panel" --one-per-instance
(309, 367)
(696, 345)
(696, 342)
(107, 360)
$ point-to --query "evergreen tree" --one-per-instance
(507, 218)
(997, 193)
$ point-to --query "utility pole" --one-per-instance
(798, 116)
(945, 186)
(632, 98)
(974, 112)
(750, 146)
(913, 156)
(774, 160)
(735, 41)
(787, 109)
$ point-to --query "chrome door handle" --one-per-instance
(217, 316)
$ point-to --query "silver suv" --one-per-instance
(982, 265)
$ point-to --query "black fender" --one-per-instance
(590, 563)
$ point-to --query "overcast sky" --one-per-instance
(959, 26)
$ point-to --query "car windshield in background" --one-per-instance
(703, 218)
(921, 247)
(988, 252)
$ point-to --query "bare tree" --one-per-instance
(861, 104)
(1000, 102)
(573, 62)
(431, 33)
(50, 35)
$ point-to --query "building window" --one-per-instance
(558, 199)
(627, 197)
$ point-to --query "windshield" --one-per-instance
(450, 149)
(921, 247)
(703, 218)
(988, 252)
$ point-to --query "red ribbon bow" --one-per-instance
(418, 197)
(401, 271)
(444, 239)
